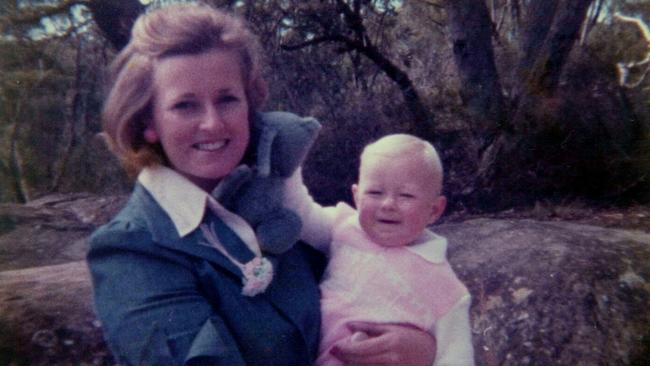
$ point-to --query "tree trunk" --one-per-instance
(538, 20)
(115, 18)
(15, 166)
(74, 111)
(546, 67)
(511, 162)
(591, 22)
(471, 36)
(564, 32)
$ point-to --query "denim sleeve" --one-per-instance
(150, 306)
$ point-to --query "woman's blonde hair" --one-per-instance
(180, 29)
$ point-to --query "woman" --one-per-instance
(167, 270)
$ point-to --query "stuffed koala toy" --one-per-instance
(256, 194)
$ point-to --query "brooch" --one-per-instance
(258, 272)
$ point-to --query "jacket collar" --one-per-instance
(184, 205)
(173, 208)
(144, 208)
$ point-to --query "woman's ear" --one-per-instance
(150, 134)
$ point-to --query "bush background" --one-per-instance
(586, 138)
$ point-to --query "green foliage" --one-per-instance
(25, 87)
(49, 104)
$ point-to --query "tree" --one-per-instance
(531, 154)
(20, 85)
(471, 32)
(115, 18)
(345, 27)
(521, 108)
(548, 57)
(51, 67)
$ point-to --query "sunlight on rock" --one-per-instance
(632, 280)
(521, 294)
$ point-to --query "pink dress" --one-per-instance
(368, 282)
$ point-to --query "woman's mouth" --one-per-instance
(210, 146)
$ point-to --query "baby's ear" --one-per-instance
(437, 209)
(355, 192)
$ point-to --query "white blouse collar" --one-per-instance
(185, 203)
(182, 200)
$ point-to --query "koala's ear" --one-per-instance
(283, 140)
(264, 145)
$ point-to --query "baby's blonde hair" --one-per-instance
(400, 145)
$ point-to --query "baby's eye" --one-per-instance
(407, 195)
(373, 192)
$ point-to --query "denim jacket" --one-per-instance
(170, 300)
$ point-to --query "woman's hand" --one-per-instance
(386, 344)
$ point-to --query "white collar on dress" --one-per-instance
(181, 199)
(430, 246)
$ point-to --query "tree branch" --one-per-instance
(353, 19)
(364, 46)
(323, 39)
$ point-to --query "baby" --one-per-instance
(384, 264)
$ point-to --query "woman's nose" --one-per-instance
(212, 119)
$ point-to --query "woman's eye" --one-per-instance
(227, 99)
(183, 106)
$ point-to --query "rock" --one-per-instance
(48, 318)
(554, 293)
(52, 229)
(46, 311)
(544, 293)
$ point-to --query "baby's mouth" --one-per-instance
(388, 222)
(210, 146)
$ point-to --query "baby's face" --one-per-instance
(396, 198)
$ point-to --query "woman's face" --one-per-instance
(200, 114)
